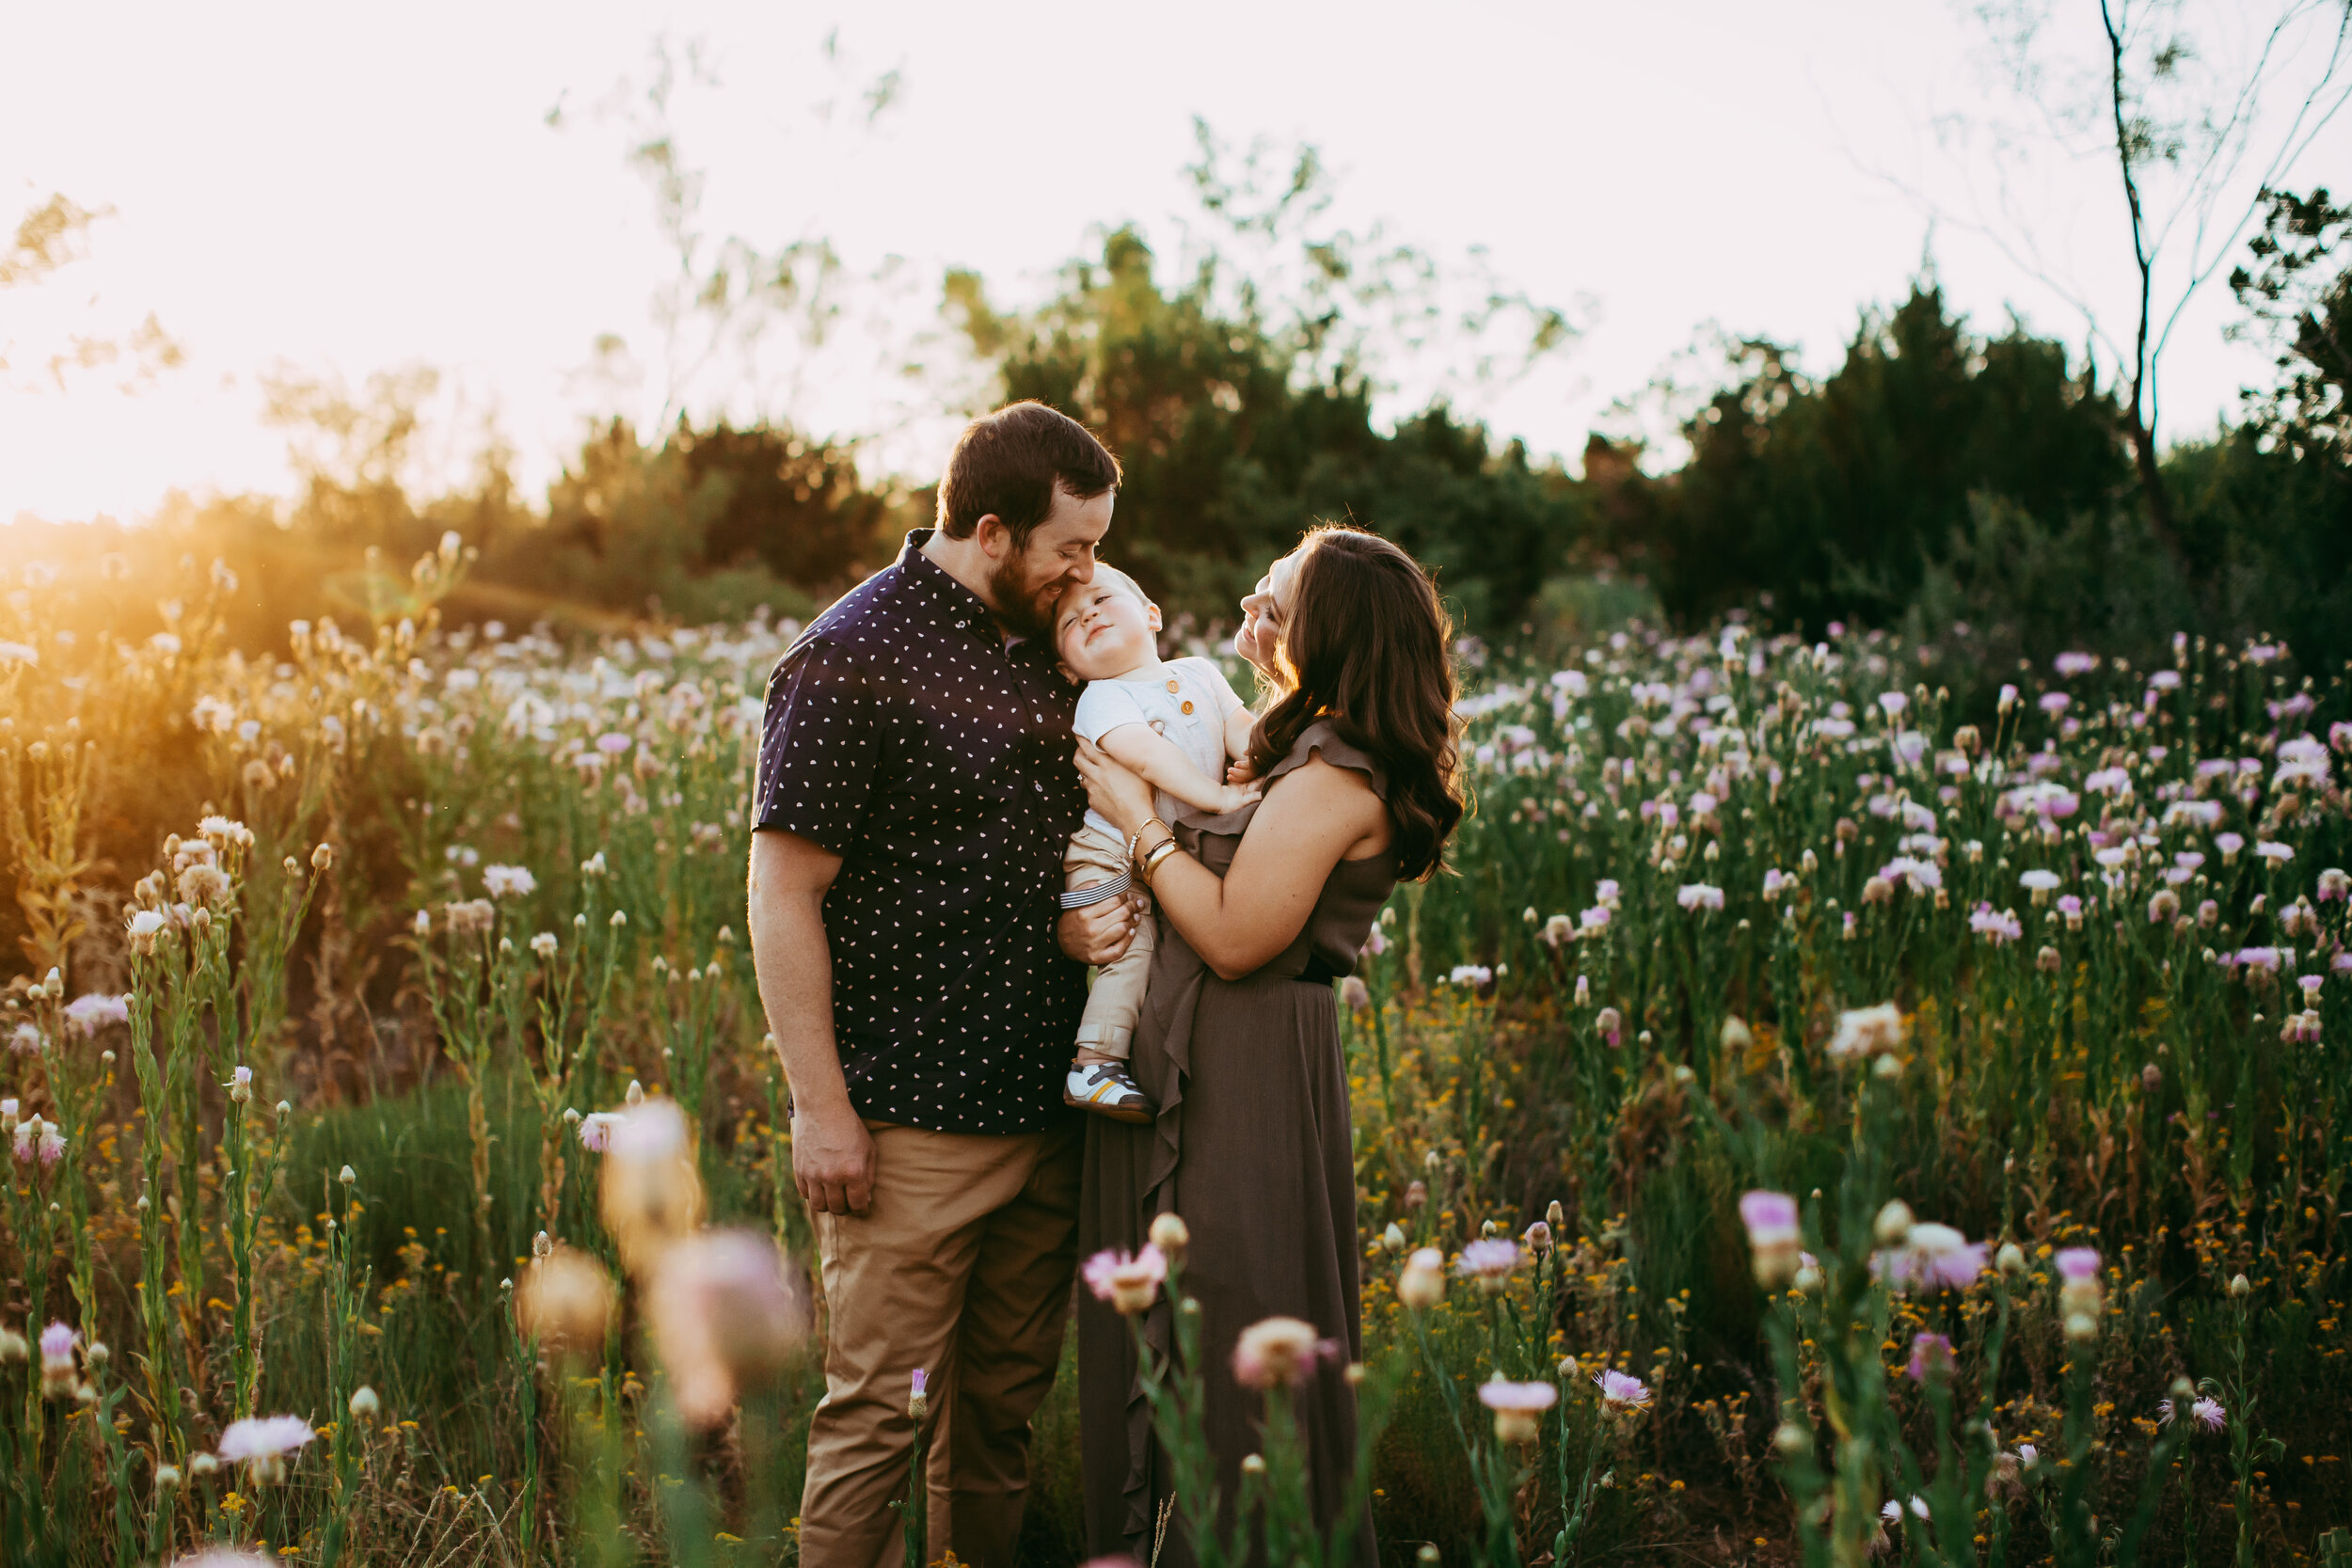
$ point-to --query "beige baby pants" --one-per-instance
(1096, 858)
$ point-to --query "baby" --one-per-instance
(1175, 724)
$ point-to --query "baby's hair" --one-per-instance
(1123, 580)
(1119, 580)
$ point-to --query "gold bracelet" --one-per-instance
(1134, 844)
(1150, 850)
(1160, 852)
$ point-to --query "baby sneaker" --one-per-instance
(1107, 1089)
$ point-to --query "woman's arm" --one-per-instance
(1242, 920)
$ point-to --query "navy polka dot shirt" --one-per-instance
(904, 735)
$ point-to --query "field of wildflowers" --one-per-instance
(1815, 1123)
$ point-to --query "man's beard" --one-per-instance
(1022, 606)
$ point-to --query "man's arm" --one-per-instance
(1161, 763)
(833, 1154)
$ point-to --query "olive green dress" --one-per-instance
(1253, 1148)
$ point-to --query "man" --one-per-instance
(915, 795)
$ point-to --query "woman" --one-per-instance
(1259, 910)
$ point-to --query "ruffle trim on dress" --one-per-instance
(1174, 1008)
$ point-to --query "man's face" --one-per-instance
(1024, 586)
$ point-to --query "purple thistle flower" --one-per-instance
(1622, 1391)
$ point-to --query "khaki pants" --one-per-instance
(1117, 997)
(961, 1266)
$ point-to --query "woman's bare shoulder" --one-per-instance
(1328, 786)
(1320, 797)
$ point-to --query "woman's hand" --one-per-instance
(1113, 789)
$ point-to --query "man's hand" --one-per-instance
(833, 1161)
(1099, 934)
(833, 1156)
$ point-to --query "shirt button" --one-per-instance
(1189, 705)
(1171, 683)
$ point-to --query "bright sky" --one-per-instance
(340, 190)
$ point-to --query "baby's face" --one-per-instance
(1103, 631)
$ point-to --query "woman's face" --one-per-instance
(1266, 614)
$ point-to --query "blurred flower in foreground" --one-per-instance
(86, 1015)
(2079, 1296)
(1277, 1353)
(1928, 1353)
(1867, 1032)
(1421, 1285)
(1489, 1262)
(508, 882)
(1931, 1256)
(261, 1443)
(725, 1313)
(57, 1372)
(595, 1130)
(652, 1196)
(1518, 1407)
(1130, 1284)
(1772, 1222)
(565, 1302)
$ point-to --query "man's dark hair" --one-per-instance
(1012, 462)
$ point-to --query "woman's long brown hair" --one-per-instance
(1365, 645)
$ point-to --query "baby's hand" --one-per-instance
(1235, 796)
(1239, 773)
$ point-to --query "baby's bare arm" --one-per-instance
(1163, 765)
(1239, 724)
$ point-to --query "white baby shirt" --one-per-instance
(1186, 703)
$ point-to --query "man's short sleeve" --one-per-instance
(1104, 706)
(817, 748)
